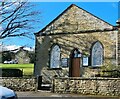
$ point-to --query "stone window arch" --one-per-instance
(97, 54)
(55, 56)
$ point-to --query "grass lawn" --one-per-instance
(26, 68)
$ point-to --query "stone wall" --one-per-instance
(19, 84)
(75, 19)
(87, 86)
(68, 42)
(48, 74)
(118, 45)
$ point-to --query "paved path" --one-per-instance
(48, 95)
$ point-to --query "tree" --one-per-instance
(17, 19)
(7, 56)
(32, 57)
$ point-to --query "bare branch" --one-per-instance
(17, 9)
(17, 19)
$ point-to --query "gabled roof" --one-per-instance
(65, 12)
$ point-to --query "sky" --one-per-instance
(107, 11)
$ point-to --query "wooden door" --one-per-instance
(74, 69)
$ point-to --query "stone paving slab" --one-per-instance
(48, 94)
(64, 98)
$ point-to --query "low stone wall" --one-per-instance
(87, 86)
(19, 84)
(49, 74)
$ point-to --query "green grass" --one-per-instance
(26, 68)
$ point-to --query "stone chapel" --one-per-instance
(76, 43)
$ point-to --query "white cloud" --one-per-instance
(1, 28)
(29, 49)
(8, 47)
(13, 47)
(114, 5)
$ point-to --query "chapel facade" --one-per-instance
(75, 38)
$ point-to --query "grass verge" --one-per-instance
(26, 68)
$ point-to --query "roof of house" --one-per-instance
(18, 50)
(38, 33)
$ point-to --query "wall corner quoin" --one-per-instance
(118, 51)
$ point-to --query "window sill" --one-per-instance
(91, 67)
(85, 66)
(95, 67)
(54, 69)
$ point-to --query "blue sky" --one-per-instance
(107, 11)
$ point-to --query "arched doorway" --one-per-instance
(75, 61)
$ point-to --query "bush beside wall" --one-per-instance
(11, 72)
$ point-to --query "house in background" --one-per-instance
(76, 43)
(19, 55)
(22, 56)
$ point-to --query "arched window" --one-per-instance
(97, 54)
(55, 57)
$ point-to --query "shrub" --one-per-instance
(11, 73)
(110, 71)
